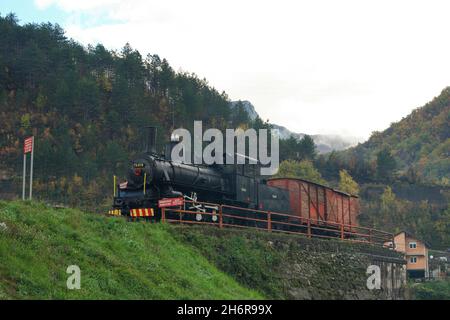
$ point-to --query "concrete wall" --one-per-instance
(324, 269)
(393, 278)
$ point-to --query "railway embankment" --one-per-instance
(122, 260)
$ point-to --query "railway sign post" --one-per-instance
(28, 147)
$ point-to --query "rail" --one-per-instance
(223, 216)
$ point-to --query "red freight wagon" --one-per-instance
(318, 202)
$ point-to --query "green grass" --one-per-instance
(243, 254)
(433, 290)
(118, 260)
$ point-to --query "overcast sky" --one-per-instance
(338, 66)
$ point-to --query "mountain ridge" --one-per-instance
(324, 142)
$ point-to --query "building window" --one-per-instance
(412, 245)
(413, 260)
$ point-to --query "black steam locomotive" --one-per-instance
(153, 177)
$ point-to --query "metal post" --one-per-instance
(31, 169)
(309, 210)
(145, 181)
(300, 200)
(309, 201)
(24, 176)
(317, 203)
(342, 208)
(115, 186)
(349, 213)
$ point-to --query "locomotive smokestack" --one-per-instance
(150, 139)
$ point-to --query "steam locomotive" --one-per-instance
(153, 177)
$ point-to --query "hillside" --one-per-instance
(117, 259)
(85, 107)
(419, 144)
(403, 173)
(123, 260)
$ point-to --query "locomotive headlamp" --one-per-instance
(138, 167)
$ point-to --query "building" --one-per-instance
(439, 264)
(416, 254)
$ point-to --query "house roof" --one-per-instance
(409, 234)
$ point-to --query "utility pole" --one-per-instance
(24, 175)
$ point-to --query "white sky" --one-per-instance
(332, 67)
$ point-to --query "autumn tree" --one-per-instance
(347, 184)
(389, 208)
(299, 169)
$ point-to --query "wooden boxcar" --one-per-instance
(318, 202)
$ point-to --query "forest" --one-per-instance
(86, 106)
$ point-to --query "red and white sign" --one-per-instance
(170, 202)
(28, 145)
(123, 185)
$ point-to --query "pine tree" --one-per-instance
(307, 148)
(386, 164)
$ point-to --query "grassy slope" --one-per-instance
(117, 259)
(433, 290)
(243, 254)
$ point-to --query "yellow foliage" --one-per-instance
(299, 169)
(347, 184)
(77, 180)
(25, 121)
